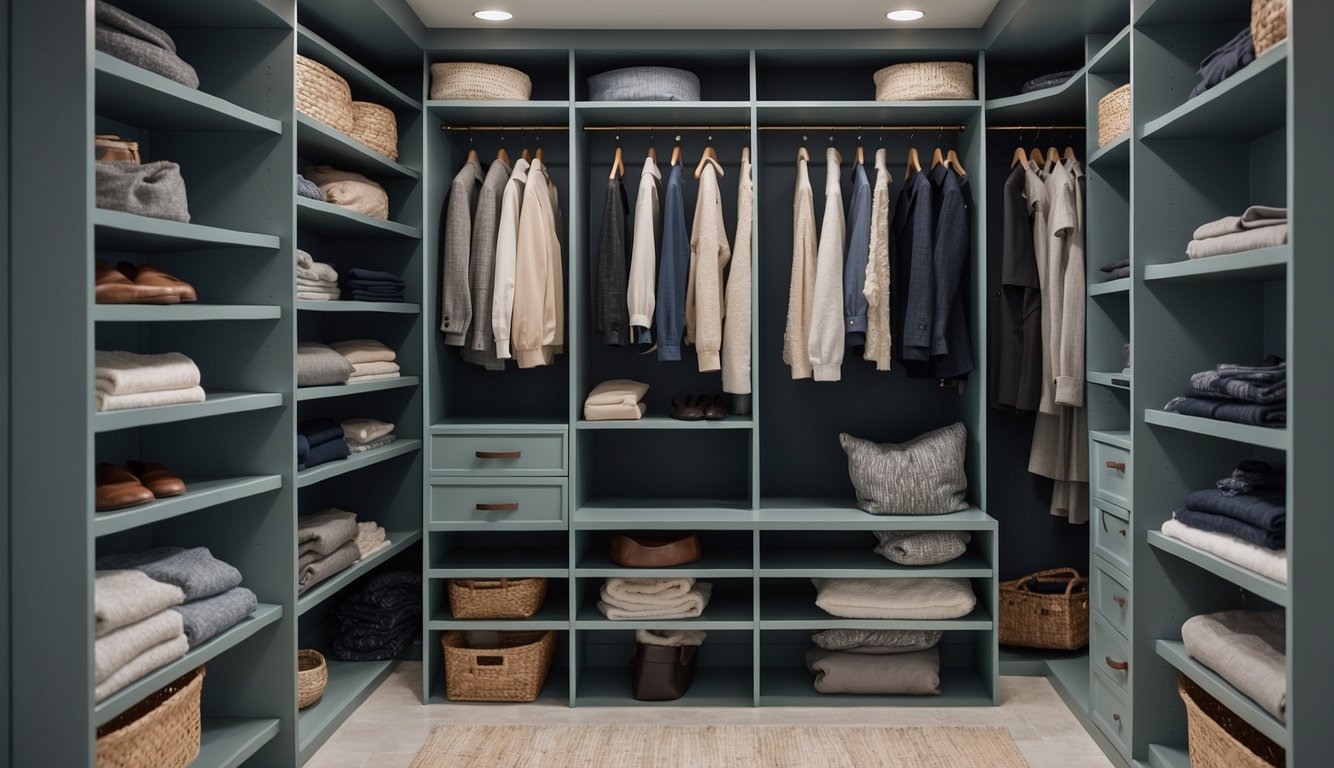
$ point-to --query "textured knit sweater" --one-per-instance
(640, 298)
(709, 254)
(737, 324)
(878, 334)
(801, 287)
(826, 331)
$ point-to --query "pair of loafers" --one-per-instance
(700, 407)
(128, 284)
(138, 482)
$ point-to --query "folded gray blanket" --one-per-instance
(325, 531)
(922, 547)
(203, 620)
(196, 571)
(1246, 240)
(908, 673)
(1252, 476)
(1256, 414)
(877, 641)
(151, 189)
(116, 649)
(114, 17)
(317, 365)
(1247, 649)
(1265, 383)
(1252, 218)
(319, 570)
(123, 597)
(131, 39)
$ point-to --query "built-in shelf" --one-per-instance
(463, 113)
(1166, 757)
(714, 564)
(1115, 380)
(1120, 285)
(1250, 581)
(1115, 154)
(553, 615)
(181, 313)
(350, 684)
(862, 563)
(1114, 57)
(1261, 265)
(663, 514)
(667, 422)
(135, 96)
(1264, 437)
(319, 143)
(1118, 438)
(1064, 102)
(515, 561)
(120, 231)
(795, 687)
(1174, 653)
(814, 514)
(215, 404)
(399, 541)
(229, 742)
(337, 221)
(712, 687)
(386, 307)
(799, 611)
(356, 461)
(366, 85)
(1250, 103)
(701, 113)
(730, 608)
(1153, 12)
(304, 394)
(201, 493)
(854, 113)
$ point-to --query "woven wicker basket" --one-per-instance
(514, 670)
(473, 80)
(1269, 24)
(644, 84)
(496, 598)
(1057, 621)
(924, 81)
(162, 731)
(1218, 738)
(324, 95)
(1113, 115)
(376, 127)
(312, 676)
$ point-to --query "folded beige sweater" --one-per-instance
(359, 351)
(617, 392)
(350, 190)
(365, 430)
(116, 649)
(622, 412)
(128, 373)
(378, 368)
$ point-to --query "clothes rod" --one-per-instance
(863, 128)
(667, 128)
(1036, 128)
(505, 128)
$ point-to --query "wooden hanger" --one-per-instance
(861, 155)
(472, 157)
(617, 166)
(503, 156)
(1036, 157)
(653, 153)
(1070, 155)
(537, 154)
(953, 162)
(524, 154)
(1019, 158)
(676, 155)
(914, 163)
(709, 154)
(937, 158)
(1053, 157)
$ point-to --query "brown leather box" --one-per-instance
(654, 550)
(662, 673)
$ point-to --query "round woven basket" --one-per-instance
(644, 84)
(473, 80)
(1113, 115)
(924, 81)
(324, 95)
(312, 675)
(1269, 24)
(161, 731)
(376, 127)
(496, 598)
(514, 668)
(1217, 738)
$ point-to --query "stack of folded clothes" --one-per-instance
(1260, 226)
(371, 360)
(371, 538)
(309, 189)
(927, 599)
(1048, 81)
(319, 441)
(921, 547)
(617, 399)
(1246, 394)
(1225, 61)
(1116, 270)
(1247, 649)
(1243, 520)
(367, 434)
(372, 285)
(152, 607)
(884, 661)
(315, 281)
(317, 365)
(641, 599)
(381, 620)
(326, 545)
(129, 380)
(134, 40)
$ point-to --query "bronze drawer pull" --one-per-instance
(1120, 666)
(498, 454)
(503, 506)
(1119, 466)
(1116, 716)
(1119, 600)
(1123, 531)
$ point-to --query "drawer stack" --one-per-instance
(1110, 586)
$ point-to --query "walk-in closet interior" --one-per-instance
(401, 336)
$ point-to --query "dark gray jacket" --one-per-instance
(610, 310)
(858, 253)
(951, 340)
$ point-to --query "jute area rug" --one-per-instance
(733, 746)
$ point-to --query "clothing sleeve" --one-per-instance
(530, 277)
(672, 275)
(1068, 369)
(826, 338)
(644, 254)
(609, 294)
(455, 293)
(796, 352)
(858, 257)
(507, 243)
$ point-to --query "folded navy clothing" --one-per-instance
(320, 431)
(1251, 476)
(1115, 265)
(374, 647)
(364, 296)
(1048, 81)
(1211, 384)
(206, 619)
(374, 286)
(1272, 369)
(358, 273)
(1117, 274)
(1257, 414)
(1205, 521)
(1225, 61)
(196, 571)
(380, 620)
(1266, 511)
(325, 453)
(302, 448)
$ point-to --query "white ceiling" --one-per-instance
(704, 14)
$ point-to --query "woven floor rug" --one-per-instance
(733, 746)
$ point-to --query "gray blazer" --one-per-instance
(481, 345)
(456, 245)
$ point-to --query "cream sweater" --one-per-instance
(538, 331)
(876, 291)
(801, 287)
(826, 337)
(709, 254)
(737, 324)
(639, 296)
(507, 245)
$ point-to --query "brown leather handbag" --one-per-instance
(654, 550)
(662, 673)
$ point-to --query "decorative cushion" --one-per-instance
(644, 84)
(924, 476)
(152, 189)
(922, 547)
(877, 641)
(909, 673)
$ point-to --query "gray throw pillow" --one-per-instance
(909, 673)
(922, 547)
(924, 476)
(877, 641)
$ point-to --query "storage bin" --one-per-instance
(644, 84)
(323, 94)
(1269, 24)
(925, 81)
(162, 731)
(662, 673)
(655, 551)
(376, 127)
(312, 677)
(475, 81)
(1113, 115)
(513, 667)
(496, 598)
(1032, 618)
(1217, 738)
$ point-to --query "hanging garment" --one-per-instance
(539, 319)
(1068, 219)
(644, 253)
(951, 341)
(826, 332)
(801, 287)
(737, 323)
(709, 255)
(609, 276)
(480, 348)
(876, 290)
(1017, 328)
(507, 246)
(858, 255)
(673, 270)
(455, 289)
(913, 295)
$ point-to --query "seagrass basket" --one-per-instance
(1033, 618)
(473, 80)
(162, 731)
(312, 677)
(514, 668)
(376, 127)
(925, 81)
(1217, 738)
(496, 598)
(323, 94)
(1113, 115)
(1269, 24)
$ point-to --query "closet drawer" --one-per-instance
(1111, 596)
(1109, 652)
(508, 503)
(498, 454)
(1110, 473)
(1111, 534)
(1110, 709)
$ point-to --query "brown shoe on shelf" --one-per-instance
(161, 481)
(118, 489)
(716, 407)
(150, 276)
(685, 408)
(111, 286)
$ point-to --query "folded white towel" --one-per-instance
(649, 592)
(689, 606)
(116, 649)
(307, 266)
(365, 430)
(105, 402)
(1272, 564)
(315, 285)
(121, 598)
(617, 392)
(128, 373)
(374, 369)
(1245, 240)
(158, 656)
(364, 351)
(1253, 218)
(926, 598)
(357, 379)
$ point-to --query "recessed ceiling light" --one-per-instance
(494, 15)
(904, 15)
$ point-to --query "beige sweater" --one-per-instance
(538, 328)
(737, 324)
(639, 297)
(801, 287)
(709, 254)
(876, 290)
(826, 340)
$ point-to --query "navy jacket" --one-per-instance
(673, 270)
(951, 340)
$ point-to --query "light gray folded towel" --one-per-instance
(313, 573)
(1247, 649)
(1245, 240)
(325, 531)
(116, 372)
(365, 430)
(907, 673)
(317, 365)
(310, 269)
(316, 296)
(922, 547)
(196, 571)
(379, 442)
(134, 40)
(203, 620)
(877, 641)
(156, 657)
(116, 649)
(150, 189)
(1252, 218)
(922, 598)
(123, 597)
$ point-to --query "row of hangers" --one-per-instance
(618, 162)
(504, 156)
(947, 158)
(1037, 157)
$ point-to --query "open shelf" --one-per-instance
(1260, 265)
(366, 85)
(1115, 380)
(1186, 11)
(787, 562)
(553, 615)
(1120, 285)
(1250, 103)
(182, 313)
(1250, 581)
(853, 113)
(304, 394)
(516, 113)
(1058, 103)
(726, 610)
(120, 231)
(801, 612)
(263, 615)
(517, 562)
(717, 113)
(819, 514)
(1119, 438)
(331, 586)
(1174, 653)
(660, 514)
(356, 461)
(229, 742)
(1263, 437)
(135, 96)
(1116, 154)
(215, 404)
(712, 687)
(1166, 757)
(667, 422)
(795, 687)
(200, 494)
(336, 221)
(387, 307)
(319, 143)
(717, 564)
(1113, 58)
(350, 683)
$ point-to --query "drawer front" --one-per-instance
(1110, 710)
(1109, 652)
(1110, 474)
(1111, 534)
(499, 503)
(498, 454)
(1111, 597)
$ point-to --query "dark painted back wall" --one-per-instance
(4, 390)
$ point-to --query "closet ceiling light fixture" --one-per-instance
(494, 15)
(904, 15)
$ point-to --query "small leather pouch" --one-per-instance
(662, 673)
(654, 550)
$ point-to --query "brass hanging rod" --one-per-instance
(864, 128)
(667, 128)
(1035, 128)
(505, 128)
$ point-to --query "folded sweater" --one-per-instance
(195, 571)
(617, 392)
(325, 531)
(1206, 521)
(927, 598)
(313, 573)
(1265, 510)
(900, 674)
(129, 373)
(1272, 564)
(123, 597)
(921, 547)
(380, 368)
(1246, 240)
(319, 431)
(156, 657)
(360, 273)
(1252, 218)
(116, 649)
(364, 351)
(105, 402)
(1247, 649)
(365, 430)
(203, 620)
(317, 366)
(310, 269)
(334, 450)
(1256, 414)
(628, 412)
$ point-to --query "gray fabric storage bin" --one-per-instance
(644, 84)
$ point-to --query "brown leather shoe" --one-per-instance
(157, 478)
(150, 276)
(111, 286)
(716, 408)
(685, 408)
(118, 489)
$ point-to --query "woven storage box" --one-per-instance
(1034, 619)
(1269, 24)
(1218, 738)
(644, 84)
(162, 731)
(496, 598)
(924, 81)
(473, 80)
(323, 94)
(376, 127)
(515, 669)
(1113, 115)
(312, 676)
